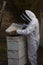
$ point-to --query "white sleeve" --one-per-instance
(28, 30)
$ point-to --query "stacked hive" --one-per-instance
(16, 47)
(16, 50)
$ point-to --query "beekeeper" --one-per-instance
(31, 30)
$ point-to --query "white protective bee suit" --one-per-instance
(32, 33)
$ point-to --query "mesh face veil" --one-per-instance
(25, 17)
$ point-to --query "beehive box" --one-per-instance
(21, 61)
(17, 54)
(16, 50)
(15, 43)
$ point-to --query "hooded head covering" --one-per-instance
(30, 14)
(27, 16)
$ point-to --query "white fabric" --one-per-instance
(30, 14)
(32, 32)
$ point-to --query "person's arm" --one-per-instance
(28, 30)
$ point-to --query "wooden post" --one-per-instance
(1, 12)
